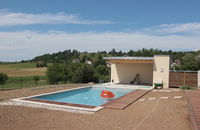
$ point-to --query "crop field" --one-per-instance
(22, 69)
(21, 75)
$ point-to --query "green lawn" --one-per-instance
(27, 81)
(25, 72)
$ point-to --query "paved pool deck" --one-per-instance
(126, 100)
(193, 99)
(158, 114)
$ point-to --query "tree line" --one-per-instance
(78, 72)
(70, 66)
(190, 60)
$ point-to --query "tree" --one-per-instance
(189, 62)
(113, 52)
(36, 79)
(102, 70)
(66, 72)
(84, 58)
(84, 74)
(100, 61)
(3, 78)
(41, 64)
(197, 58)
(54, 73)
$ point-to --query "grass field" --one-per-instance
(23, 82)
(22, 69)
(21, 75)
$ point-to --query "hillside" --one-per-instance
(189, 60)
(68, 55)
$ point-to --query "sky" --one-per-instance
(29, 28)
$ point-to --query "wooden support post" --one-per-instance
(198, 79)
(184, 78)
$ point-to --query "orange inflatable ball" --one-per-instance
(107, 94)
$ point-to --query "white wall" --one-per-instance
(161, 70)
(126, 72)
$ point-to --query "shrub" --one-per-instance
(186, 87)
(158, 85)
(3, 78)
(36, 79)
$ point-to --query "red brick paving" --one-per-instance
(193, 98)
(126, 100)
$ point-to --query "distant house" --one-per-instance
(108, 64)
(75, 61)
(175, 64)
(88, 62)
(178, 62)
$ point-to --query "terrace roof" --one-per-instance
(130, 59)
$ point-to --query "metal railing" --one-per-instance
(17, 84)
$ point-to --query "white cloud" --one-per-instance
(184, 28)
(13, 19)
(27, 44)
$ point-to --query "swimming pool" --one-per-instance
(84, 96)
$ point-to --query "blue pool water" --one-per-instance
(85, 96)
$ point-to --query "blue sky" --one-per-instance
(29, 28)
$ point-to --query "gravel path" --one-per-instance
(158, 114)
